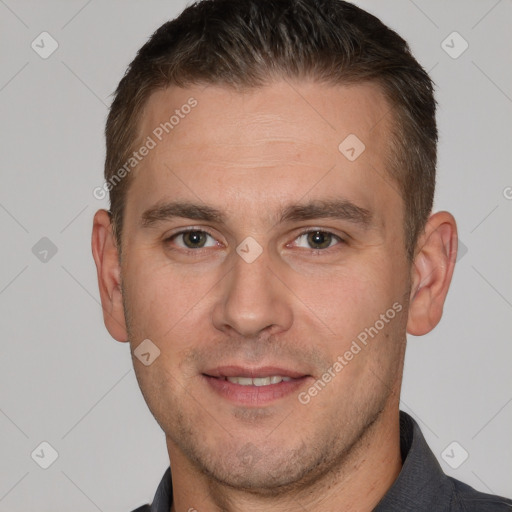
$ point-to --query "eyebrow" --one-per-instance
(341, 209)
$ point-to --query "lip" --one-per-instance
(254, 396)
(253, 372)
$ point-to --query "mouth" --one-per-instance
(254, 386)
(257, 381)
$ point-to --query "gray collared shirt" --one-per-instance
(421, 485)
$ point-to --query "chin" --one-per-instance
(271, 472)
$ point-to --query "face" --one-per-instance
(254, 246)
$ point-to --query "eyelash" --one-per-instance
(340, 240)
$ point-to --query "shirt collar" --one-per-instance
(420, 486)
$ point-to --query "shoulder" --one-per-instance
(143, 508)
(468, 499)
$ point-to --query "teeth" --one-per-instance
(258, 381)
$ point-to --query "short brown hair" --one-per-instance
(247, 43)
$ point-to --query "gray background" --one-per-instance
(65, 381)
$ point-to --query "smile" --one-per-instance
(254, 388)
(257, 381)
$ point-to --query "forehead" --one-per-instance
(314, 113)
(280, 139)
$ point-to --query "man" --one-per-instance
(270, 242)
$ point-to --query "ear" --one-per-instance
(432, 271)
(106, 257)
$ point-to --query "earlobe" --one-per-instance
(432, 271)
(108, 269)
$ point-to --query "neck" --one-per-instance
(357, 484)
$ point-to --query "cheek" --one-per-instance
(348, 299)
(365, 316)
(162, 297)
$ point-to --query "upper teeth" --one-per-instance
(258, 381)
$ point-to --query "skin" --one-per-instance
(249, 154)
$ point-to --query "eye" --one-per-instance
(191, 239)
(318, 239)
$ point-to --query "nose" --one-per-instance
(253, 300)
